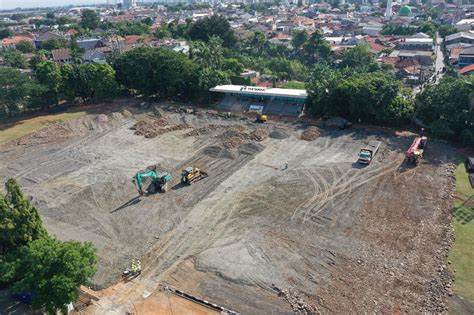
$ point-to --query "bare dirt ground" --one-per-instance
(281, 224)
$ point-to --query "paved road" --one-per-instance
(438, 66)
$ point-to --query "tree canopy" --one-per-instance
(215, 25)
(157, 71)
(89, 19)
(33, 262)
(447, 108)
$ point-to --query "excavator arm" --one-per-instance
(139, 179)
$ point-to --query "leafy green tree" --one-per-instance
(48, 74)
(14, 87)
(89, 82)
(157, 71)
(89, 19)
(19, 220)
(50, 15)
(162, 31)
(445, 30)
(447, 107)
(299, 38)
(54, 271)
(15, 59)
(6, 32)
(394, 29)
(215, 25)
(132, 28)
(316, 49)
(428, 27)
(25, 46)
(209, 78)
(54, 43)
(233, 65)
(63, 20)
(257, 41)
(359, 58)
(36, 59)
(369, 97)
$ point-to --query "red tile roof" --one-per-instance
(467, 69)
(15, 40)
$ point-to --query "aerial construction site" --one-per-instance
(286, 219)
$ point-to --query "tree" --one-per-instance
(48, 74)
(19, 220)
(316, 49)
(448, 107)
(445, 30)
(89, 19)
(300, 37)
(25, 46)
(157, 71)
(14, 87)
(5, 32)
(257, 41)
(370, 97)
(54, 43)
(15, 59)
(89, 82)
(233, 66)
(50, 15)
(428, 27)
(53, 271)
(215, 25)
(209, 78)
(162, 31)
(36, 59)
(359, 58)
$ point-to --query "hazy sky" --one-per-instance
(11, 4)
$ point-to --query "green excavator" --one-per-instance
(159, 181)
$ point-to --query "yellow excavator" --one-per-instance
(191, 174)
(261, 118)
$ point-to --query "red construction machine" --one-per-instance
(415, 152)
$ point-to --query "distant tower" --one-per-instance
(388, 11)
(127, 4)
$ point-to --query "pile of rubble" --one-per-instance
(151, 128)
(296, 301)
(232, 142)
(259, 134)
(204, 130)
(310, 134)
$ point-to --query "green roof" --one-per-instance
(404, 11)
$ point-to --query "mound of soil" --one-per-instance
(233, 142)
(279, 134)
(150, 128)
(259, 134)
(60, 131)
(204, 130)
(310, 134)
(219, 152)
(250, 148)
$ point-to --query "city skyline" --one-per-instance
(25, 4)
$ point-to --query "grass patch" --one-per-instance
(14, 129)
(462, 252)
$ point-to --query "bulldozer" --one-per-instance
(191, 174)
(159, 181)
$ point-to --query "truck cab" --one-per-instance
(368, 152)
(365, 156)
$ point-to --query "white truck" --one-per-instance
(368, 152)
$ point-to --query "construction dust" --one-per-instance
(275, 211)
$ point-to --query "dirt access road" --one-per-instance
(280, 225)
